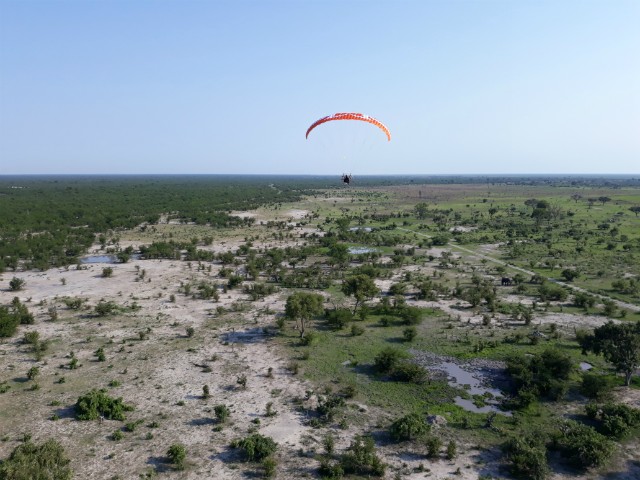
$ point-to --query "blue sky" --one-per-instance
(159, 86)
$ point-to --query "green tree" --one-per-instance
(618, 344)
(635, 209)
(302, 306)
(361, 287)
(8, 322)
(421, 210)
(97, 403)
(30, 461)
(256, 447)
(569, 274)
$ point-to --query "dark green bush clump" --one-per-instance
(409, 427)
(361, 458)
(527, 457)
(582, 445)
(256, 447)
(614, 419)
(29, 461)
(97, 403)
(177, 454)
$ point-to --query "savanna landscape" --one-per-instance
(288, 327)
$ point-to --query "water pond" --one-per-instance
(360, 250)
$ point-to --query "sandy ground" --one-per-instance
(161, 372)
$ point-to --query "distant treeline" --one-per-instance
(50, 221)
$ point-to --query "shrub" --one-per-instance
(434, 444)
(97, 403)
(552, 291)
(388, 358)
(527, 457)
(411, 316)
(309, 338)
(451, 450)
(107, 272)
(16, 284)
(338, 318)
(31, 461)
(256, 447)
(596, 386)
(582, 445)
(409, 334)
(73, 303)
(222, 413)
(117, 435)
(102, 309)
(330, 470)
(190, 331)
(177, 454)
(409, 427)
(269, 465)
(406, 371)
(33, 373)
(361, 458)
(328, 406)
(8, 322)
(356, 330)
(614, 419)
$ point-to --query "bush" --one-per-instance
(309, 338)
(411, 316)
(107, 272)
(177, 454)
(16, 284)
(8, 322)
(527, 457)
(97, 403)
(356, 330)
(582, 445)
(434, 444)
(222, 413)
(30, 461)
(552, 291)
(269, 465)
(409, 427)
(388, 358)
(596, 386)
(452, 450)
(409, 334)
(102, 309)
(614, 419)
(256, 447)
(361, 458)
(406, 371)
(328, 406)
(338, 318)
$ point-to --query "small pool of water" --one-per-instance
(98, 259)
(106, 258)
(584, 366)
(360, 250)
(473, 381)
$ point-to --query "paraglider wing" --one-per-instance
(351, 116)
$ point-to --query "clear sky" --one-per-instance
(168, 86)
